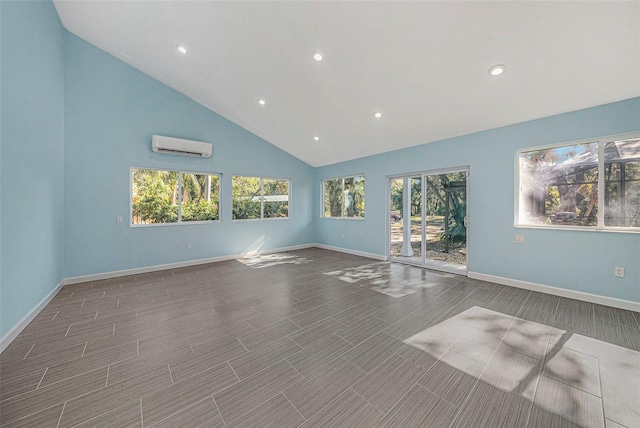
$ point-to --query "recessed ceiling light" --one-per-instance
(261, 101)
(316, 138)
(497, 70)
(377, 115)
(317, 56)
(182, 49)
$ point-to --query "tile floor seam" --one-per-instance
(245, 348)
(43, 375)
(436, 394)
(191, 347)
(365, 400)
(293, 405)
(293, 322)
(61, 413)
(601, 393)
(27, 354)
(572, 386)
(234, 372)
(218, 408)
(170, 375)
(141, 414)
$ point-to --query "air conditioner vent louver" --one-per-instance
(178, 146)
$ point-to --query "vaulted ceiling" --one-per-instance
(423, 65)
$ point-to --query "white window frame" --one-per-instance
(342, 216)
(601, 142)
(179, 222)
(262, 217)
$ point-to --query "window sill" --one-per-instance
(182, 223)
(580, 228)
(343, 218)
(260, 219)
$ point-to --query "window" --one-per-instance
(343, 197)
(165, 197)
(256, 198)
(559, 186)
(622, 183)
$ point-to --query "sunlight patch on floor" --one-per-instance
(391, 279)
(565, 375)
(268, 260)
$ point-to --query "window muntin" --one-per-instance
(170, 197)
(559, 186)
(256, 198)
(343, 197)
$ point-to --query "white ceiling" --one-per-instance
(423, 64)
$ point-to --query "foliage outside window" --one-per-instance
(162, 197)
(560, 186)
(343, 197)
(622, 183)
(259, 198)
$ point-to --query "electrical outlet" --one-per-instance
(342, 236)
(519, 239)
(188, 245)
(619, 272)
(268, 237)
(119, 219)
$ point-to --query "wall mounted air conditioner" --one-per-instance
(178, 146)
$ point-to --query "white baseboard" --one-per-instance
(186, 263)
(20, 325)
(350, 251)
(562, 292)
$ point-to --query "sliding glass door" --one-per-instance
(428, 221)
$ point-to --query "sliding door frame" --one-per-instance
(423, 255)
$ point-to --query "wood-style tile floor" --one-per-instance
(273, 341)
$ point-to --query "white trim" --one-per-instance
(20, 325)
(350, 251)
(186, 263)
(562, 292)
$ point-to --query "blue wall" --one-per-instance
(32, 163)
(111, 112)
(576, 260)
